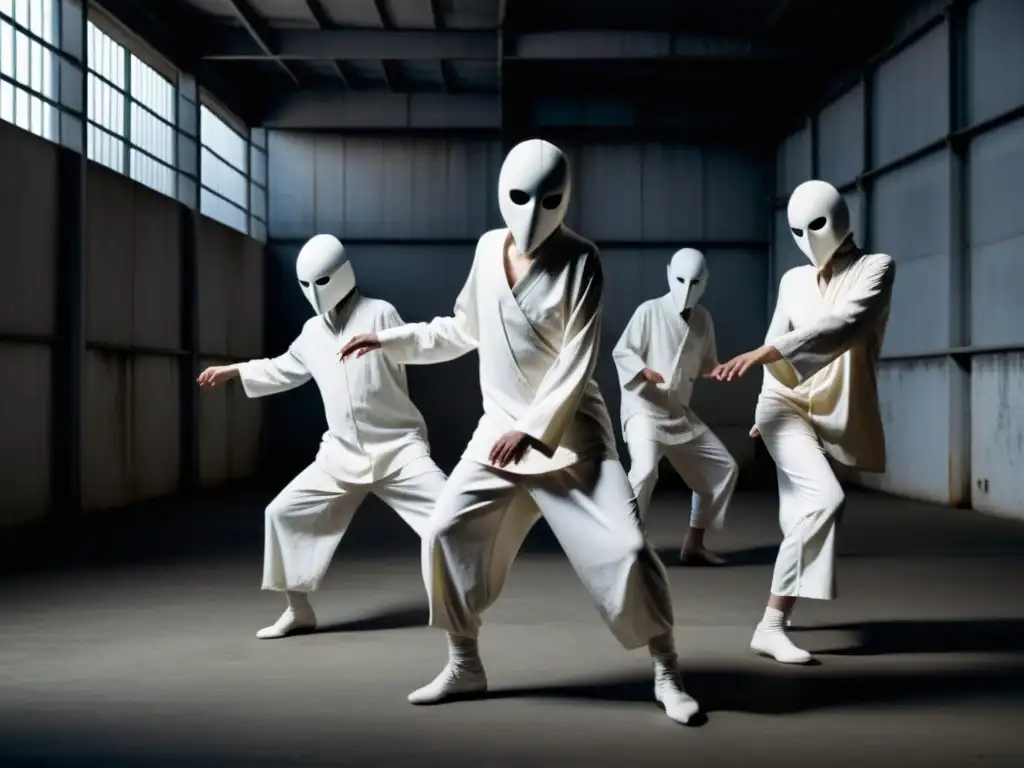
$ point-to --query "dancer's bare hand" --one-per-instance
(360, 344)
(216, 375)
(739, 365)
(652, 376)
(510, 447)
(755, 432)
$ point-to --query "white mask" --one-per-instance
(325, 273)
(533, 192)
(687, 278)
(819, 219)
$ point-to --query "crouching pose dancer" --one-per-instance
(531, 307)
(376, 440)
(667, 344)
(819, 399)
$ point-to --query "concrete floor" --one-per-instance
(134, 644)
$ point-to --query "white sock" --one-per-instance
(773, 620)
(299, 602)
(463, 651)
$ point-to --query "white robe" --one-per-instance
(657, 420)
(537, 343)
(821, 400)
(376, 442)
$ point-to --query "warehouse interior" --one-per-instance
(173, 158)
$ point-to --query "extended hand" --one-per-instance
(216, 374)
(755, 432)
(510, 447)
(360, 344)
(652, 376)
(740, 364)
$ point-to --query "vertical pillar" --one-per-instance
(864, 183)
(959, 260)
(187, 165)
(69, 346)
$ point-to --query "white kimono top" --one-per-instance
(538, 344)
(373, 427)
(830, 342)
(657, 337)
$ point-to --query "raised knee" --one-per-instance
(835, 500)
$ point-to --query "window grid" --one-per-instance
(224, 173)
(131, 112)
(28, 69)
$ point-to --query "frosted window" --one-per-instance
(27, 68)
(223, 172)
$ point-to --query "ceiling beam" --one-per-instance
(260, 32)
(316, 10)
(312, 109)
(584, 45)
(224, 42)
(392, 73)
(447, 76)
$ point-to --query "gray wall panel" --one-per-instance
(911, 98)
(736, 195)
(28, 221)
(24, 432)
(793, 162)
(215, 280)
(911, 223)
(610, 180)
(841, 138)
(109, 258)
(230, 292)
(996, 221)
(296, 174)
(997, 411)
(995, 58)
(213, 431)
(245, 424)
(673, 192)
(786, 254)
(156, 267)
(915, 402)
(130, 437)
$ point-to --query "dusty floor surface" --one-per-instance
(134, 644)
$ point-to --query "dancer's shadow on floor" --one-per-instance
(778, 690)
(736, 559)
(407, 616)
(878, 638)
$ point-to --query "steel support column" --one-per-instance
(69, 346)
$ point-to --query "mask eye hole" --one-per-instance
(519, 197)
(551, 202)
(797, 232)
(694, 282)
(304, 283)
(324, 280)
(817, 224)
(681, 280)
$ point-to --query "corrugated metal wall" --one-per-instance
(929, 150)
(132, 377)
(411, 209)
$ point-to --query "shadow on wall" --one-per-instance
(422, 282)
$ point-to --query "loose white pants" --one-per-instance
(483, 517)
(704, 463)
(306, 521)
(811, 502)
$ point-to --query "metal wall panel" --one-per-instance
(24, 432)
(793, 162)
(841, 138)
(245, 424)
(130, 431)
(610, 183)
(911, 98)
(214, 437)
(673, 192)
(380, 187)
(230, 292)
(855, 202)
(914, 397)
(736, 195)
(997, 416)
(996, 236)
(156, 267)
(995, 62)
(28, 221)
(110, 279)
(910, 222)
